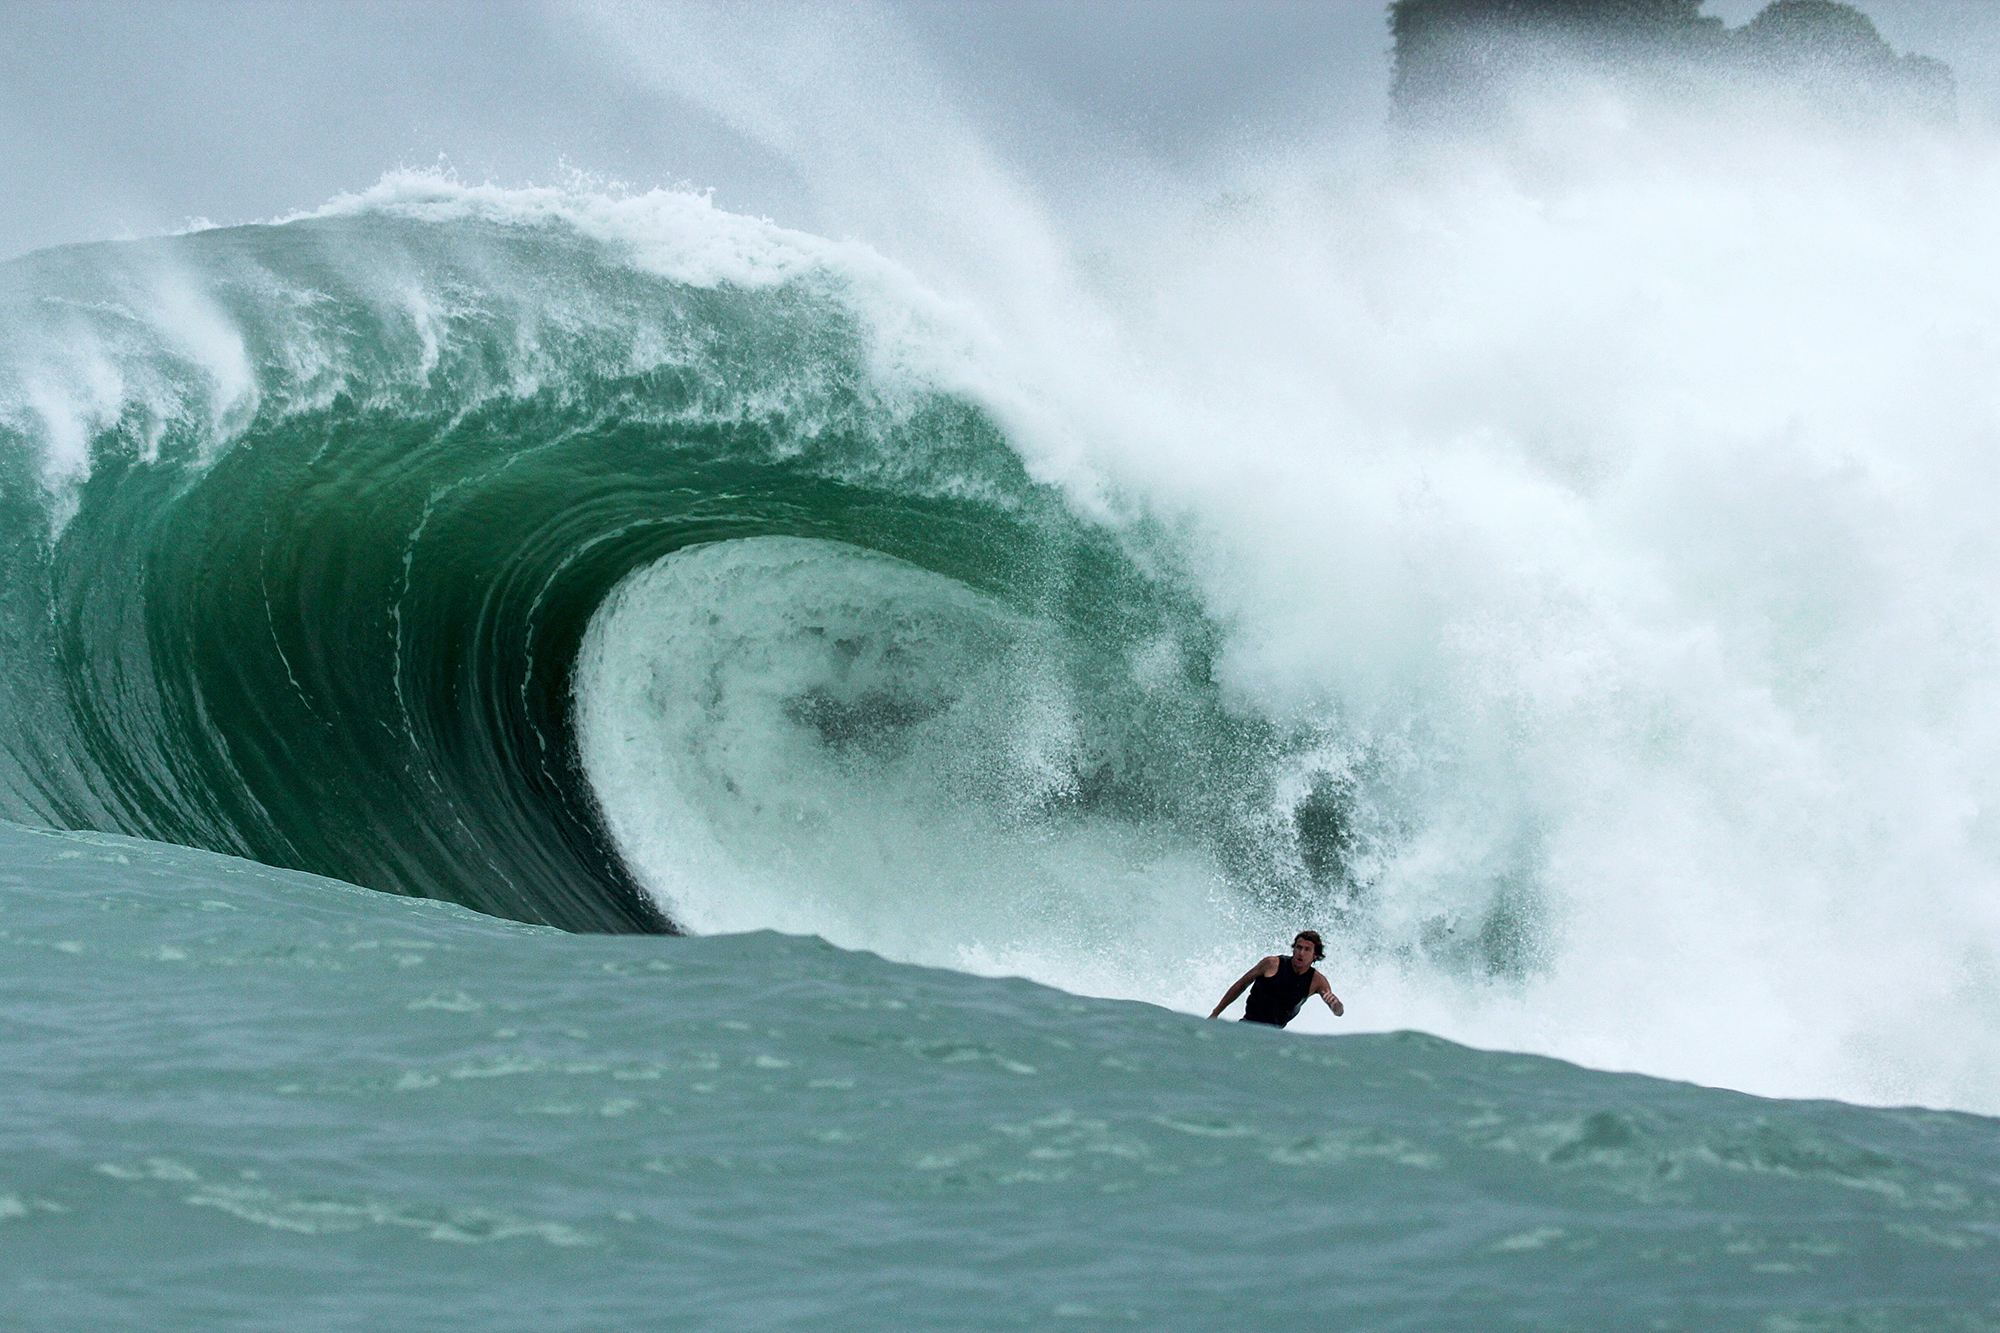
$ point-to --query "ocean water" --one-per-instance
(572, 758)
(238, 1097)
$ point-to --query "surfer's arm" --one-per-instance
(1324, 990)
(1263, 969)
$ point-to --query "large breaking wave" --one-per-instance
(310, 523)
(1556, 570)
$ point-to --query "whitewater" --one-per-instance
(574, 757)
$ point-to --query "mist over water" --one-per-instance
(1630, 500)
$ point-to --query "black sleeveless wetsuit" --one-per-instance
(1277, 1000)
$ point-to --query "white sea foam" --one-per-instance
(802, 735)
(1622, 482)
(70, 374)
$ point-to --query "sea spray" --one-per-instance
(1604, 475)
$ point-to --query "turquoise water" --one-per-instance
(236, 1097)
(350, 645)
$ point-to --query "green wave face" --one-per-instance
(309, 526)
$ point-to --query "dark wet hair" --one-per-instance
(1319, 946)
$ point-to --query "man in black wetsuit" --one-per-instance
(1279, 986)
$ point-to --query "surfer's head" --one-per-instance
(1309, 941)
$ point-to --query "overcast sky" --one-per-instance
(126, 118)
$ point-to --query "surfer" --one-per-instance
(1280, 986)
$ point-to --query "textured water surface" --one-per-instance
(233, 1097)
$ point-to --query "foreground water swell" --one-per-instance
(255, 1099)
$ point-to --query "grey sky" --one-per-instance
(130, 118)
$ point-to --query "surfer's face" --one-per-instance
(1302, 953)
